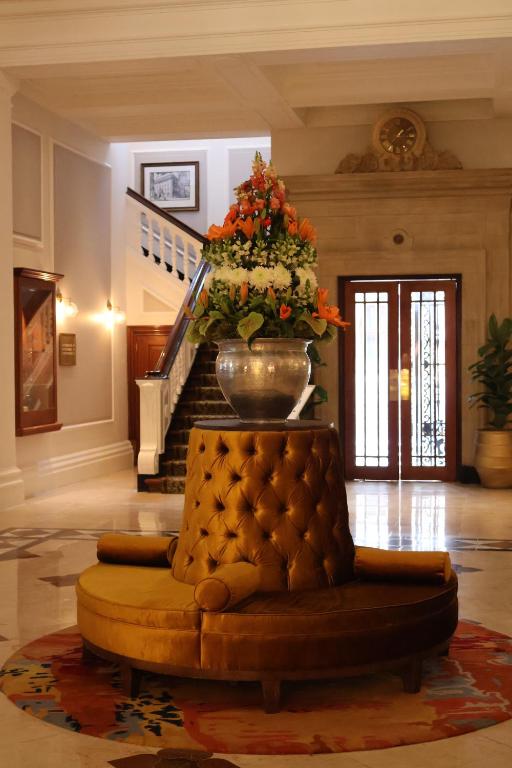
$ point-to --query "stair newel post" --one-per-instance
(153, 424)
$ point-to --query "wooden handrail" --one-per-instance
(167, 216)
(177, 334)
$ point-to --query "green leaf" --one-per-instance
(193, 334)
(315, 323)
(199, 310)
(249, 325)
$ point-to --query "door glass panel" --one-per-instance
(428, 379)
(371, 379)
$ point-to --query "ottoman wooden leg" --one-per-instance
(130, 680)
(411, 676)
(87, 654)
(271, 696)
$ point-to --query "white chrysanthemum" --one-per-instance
(223, 274)
(238, 275)
(260, 278)
(305, 274)
(281, 277)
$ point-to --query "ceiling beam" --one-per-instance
(53, 31)
(254, 92)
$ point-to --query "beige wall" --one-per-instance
(27, 182)
(454, 222)
(82, 254)
(477, 143)
(82, 236)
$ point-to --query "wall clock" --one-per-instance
(399, 133)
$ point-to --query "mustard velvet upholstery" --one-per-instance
(273, 499)
(264, 578)
(139, 612)
(352, 625)
(136, 550)
(230, 584)
(375, 564)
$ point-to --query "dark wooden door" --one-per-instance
(145, 343)
(400, 379)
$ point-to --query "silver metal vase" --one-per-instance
(264, 382)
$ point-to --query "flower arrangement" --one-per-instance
(262, 280)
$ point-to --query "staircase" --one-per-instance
(201, 398)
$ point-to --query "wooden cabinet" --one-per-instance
(35, 351)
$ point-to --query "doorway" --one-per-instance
(144, 345)
(400, 378)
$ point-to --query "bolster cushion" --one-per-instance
(392, 565)
(124, 549)
(230, 584)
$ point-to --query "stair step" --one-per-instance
(205, 408)
(202, 393)
(174, 467)
(177, 436)
(187, 422)
(175, 452)
(165, 484)
(198, 379)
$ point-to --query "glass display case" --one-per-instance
(36, 353)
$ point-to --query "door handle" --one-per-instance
(405, 383)
(393, 385)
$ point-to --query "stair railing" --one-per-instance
(163, 239)
(176, 248)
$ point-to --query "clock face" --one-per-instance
(398, 135)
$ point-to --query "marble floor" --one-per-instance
(46, 541)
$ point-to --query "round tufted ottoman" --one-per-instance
(265, 530)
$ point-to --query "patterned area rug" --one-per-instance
(471, 689)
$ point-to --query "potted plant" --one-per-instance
(261, 303)
(493, 456)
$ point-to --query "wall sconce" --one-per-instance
(113, 315)
(65, 307)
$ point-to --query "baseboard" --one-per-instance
(12, 490)
(73, 467)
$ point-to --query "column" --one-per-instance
(11, 481)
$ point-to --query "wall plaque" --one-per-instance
(67, 348)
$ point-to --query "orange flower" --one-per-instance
(215, 232)
(247, 227)
(290, 211)
(244, 293)
(232, 214)
(271, 292)
(285, 312)
(328, 312)
(229, 229)
(275, 204)
(259, 205)
(203, 298)
(246, 208)
(307, 231)
(292, 228)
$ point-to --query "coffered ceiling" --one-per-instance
(203, 68)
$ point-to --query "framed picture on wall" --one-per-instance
(171, 186)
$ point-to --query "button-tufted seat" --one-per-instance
(263, 584)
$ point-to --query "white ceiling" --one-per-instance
(206, 94)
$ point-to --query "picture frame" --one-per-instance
(171, 186)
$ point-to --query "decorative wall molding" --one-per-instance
(115, 30)
(464, 183)
(80, 465)
(429, 160)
